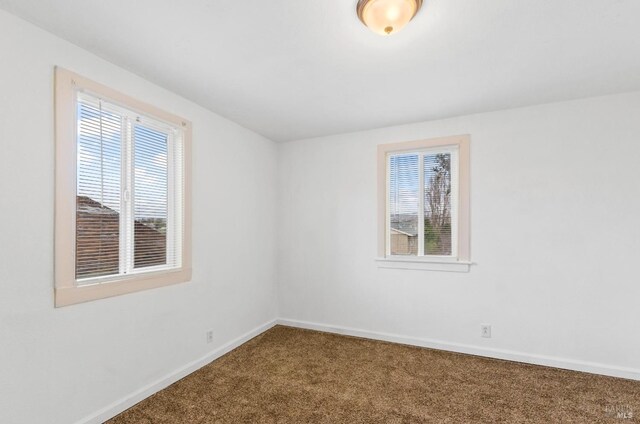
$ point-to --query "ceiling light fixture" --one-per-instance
(386, 17)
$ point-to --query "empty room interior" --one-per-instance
(319, 211)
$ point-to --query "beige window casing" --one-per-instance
(67, 291)
(460, 263)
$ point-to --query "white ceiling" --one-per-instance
(292, 69)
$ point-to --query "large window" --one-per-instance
(424, 201)
(122, 193)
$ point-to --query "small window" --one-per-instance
(122, 193)
(424, 201)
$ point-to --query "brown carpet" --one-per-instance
(289, 375)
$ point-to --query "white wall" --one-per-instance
(61, 365)
(555, 199)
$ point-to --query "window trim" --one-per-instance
(66, 290)
(462, 261)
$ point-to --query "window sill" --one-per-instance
(424, 264)
(70, 295)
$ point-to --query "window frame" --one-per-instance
(460, 261)
(67, 291)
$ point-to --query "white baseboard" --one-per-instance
(128, 401)
(509, 355)
(121, 405)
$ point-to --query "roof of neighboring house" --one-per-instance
(395, 230)
(97, 241)
(88, 205)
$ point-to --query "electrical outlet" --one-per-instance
(210, 336)
(485, 330)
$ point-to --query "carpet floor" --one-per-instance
(289, 375)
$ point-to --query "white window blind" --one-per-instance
(404, 194)
(440, 203)
(129, 202)
(422, 203)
